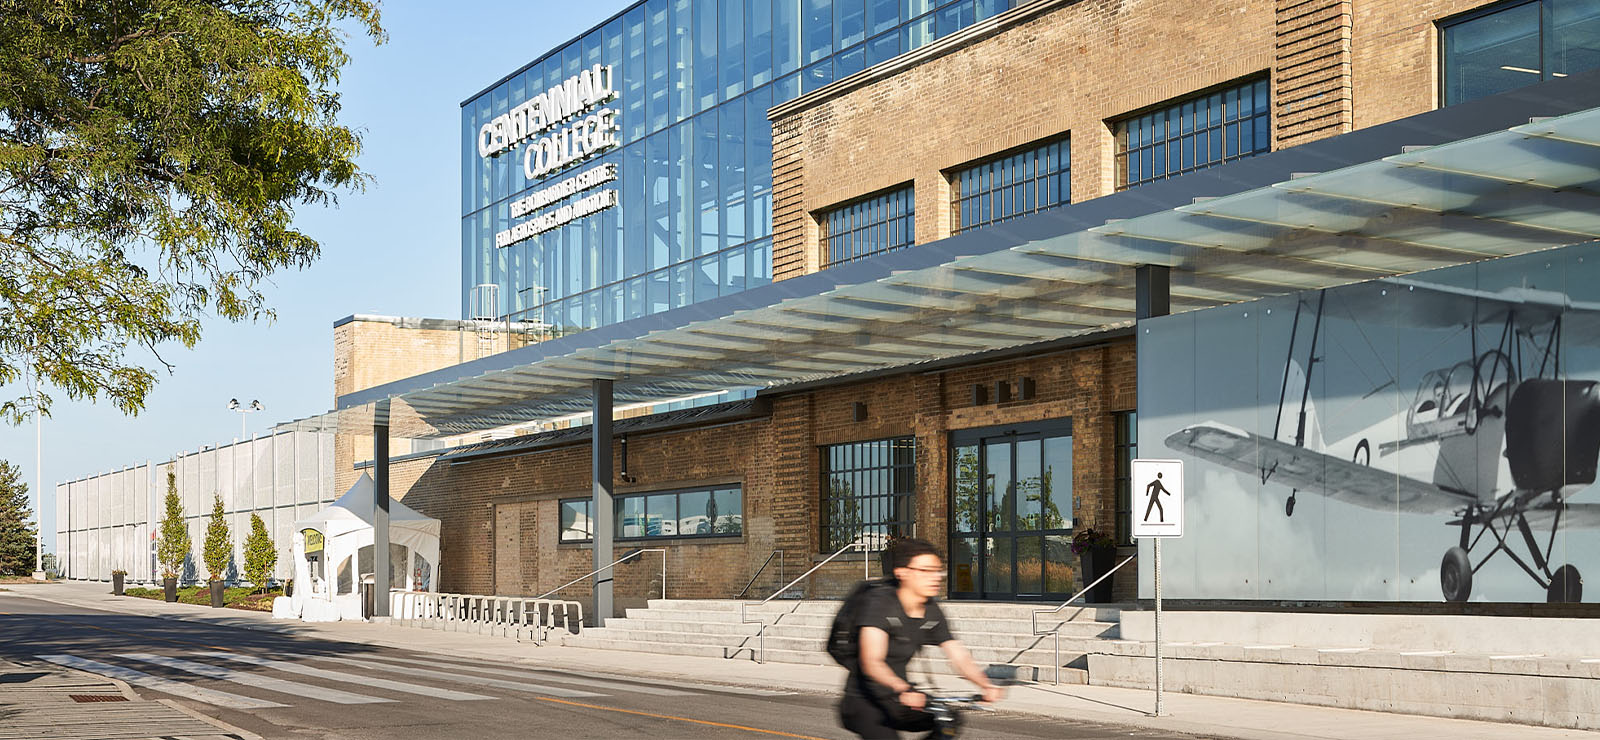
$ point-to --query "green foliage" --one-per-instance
(218, 548)
(152, 154)
(51, 567)
(260, 557)
(17, 532)
(172, 544)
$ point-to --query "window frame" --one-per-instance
(1033, 180)
(617, 502)
(881, 200)
(905, 526)
(1443, 24)
(1119, 130)
(1124, 450)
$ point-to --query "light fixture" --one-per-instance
(1510, 68)
(253, 406)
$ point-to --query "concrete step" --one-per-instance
(993, 634)
(953, 609)
(1014, 649)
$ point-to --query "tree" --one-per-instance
(18, 536)
(172, 546)
(218, 548)
(260, 556)
(152, 154)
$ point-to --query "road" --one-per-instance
(288, 687)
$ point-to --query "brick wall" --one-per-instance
(500, 515)
(1056, 67)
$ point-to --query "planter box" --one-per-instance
(116, 583)
(218, 592)
(169, 587)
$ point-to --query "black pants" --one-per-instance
(874, 720)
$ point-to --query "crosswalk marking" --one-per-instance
(523, 686)
(377, 683)
(562, 677)
(246, 678)
(140, 678)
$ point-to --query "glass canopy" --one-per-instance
(1527, 188)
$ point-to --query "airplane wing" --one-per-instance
(1574, 516)
(1313, 472)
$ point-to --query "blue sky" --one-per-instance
(393, 249)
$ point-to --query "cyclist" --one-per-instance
(879, 700)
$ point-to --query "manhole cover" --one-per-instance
(86, 698)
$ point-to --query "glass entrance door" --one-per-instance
(1011, 512)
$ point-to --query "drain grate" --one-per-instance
(87, 698)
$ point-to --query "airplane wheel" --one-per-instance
(1455, 575)
(1566, 586)
(1288, 506)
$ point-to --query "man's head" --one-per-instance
(917, 566)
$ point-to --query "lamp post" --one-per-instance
(233, 403)
(38, 477)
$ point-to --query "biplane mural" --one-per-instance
(1426, 437)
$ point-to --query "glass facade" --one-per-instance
(1509, 45)
(1011, 511)
(882, 223)
(692, 215)
(698, 512)
(1194, 133)
(867, 492)
(1016, 185)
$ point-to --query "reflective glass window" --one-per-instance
(1506, 46)
(1014, 185)
(1194, 133)
(881, 223)
(867, 492)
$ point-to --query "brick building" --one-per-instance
(962, 236)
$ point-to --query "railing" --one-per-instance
(614, 563)
(509, 616)
(761, 632)
(775, 554)
(1034, 620)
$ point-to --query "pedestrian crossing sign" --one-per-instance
(1157, 498)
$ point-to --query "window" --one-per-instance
(1509, 45)
(1015, 185)
(867, 489)
(1193, 134)
(882, 223)
(1125, 448)
(698, 512)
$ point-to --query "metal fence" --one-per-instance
(522, 618)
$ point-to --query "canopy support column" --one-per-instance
(1152, 291)
(600, 508)
(380, 511)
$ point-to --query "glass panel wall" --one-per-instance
(1508, 45)
(1194, 133)
(692, 215)
(1012, 512)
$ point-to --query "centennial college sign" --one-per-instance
(563, 126)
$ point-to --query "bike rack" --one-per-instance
(761, 632)
(1056, 631)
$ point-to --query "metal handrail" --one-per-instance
(775, 553)
(629, 556)
(1034, 620)
(761, 632)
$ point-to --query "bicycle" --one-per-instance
(947, 709)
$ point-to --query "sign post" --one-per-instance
(1160, 483)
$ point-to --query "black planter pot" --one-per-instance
(288, 588)
(218, 589)
(116, 584)
(1096, 563)
(169, 587)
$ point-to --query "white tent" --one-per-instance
(333, 556)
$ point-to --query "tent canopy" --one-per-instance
(354, 510)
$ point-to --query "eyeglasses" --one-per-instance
(935, 572)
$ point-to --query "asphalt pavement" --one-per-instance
(718, 699)
(287, 686)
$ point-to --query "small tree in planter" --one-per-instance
(260, 557)
(218, 550)
(172, 546)
(117, 577)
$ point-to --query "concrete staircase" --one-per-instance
(797, 630)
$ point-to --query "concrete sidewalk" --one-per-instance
(1200, 715)
(40, 699)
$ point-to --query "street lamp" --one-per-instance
(233, 403)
